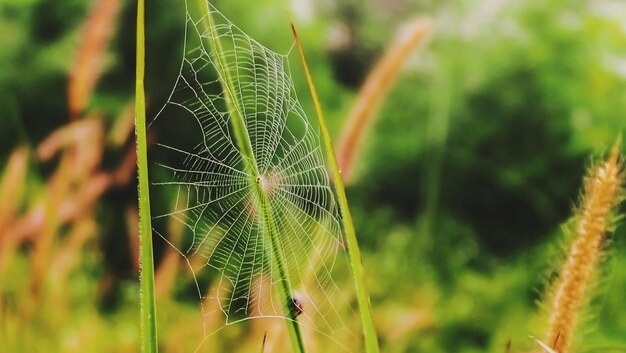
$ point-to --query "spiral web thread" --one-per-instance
(215, 191)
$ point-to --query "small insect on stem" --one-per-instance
(295, 306)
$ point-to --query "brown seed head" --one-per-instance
(603, 189)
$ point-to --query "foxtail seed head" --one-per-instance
(603, 190)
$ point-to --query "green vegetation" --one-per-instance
(261, 194)
(458, 197)
(369, 332)
(149, 342)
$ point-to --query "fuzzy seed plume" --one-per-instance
(603, 191)
(374, 90)
(85, 72)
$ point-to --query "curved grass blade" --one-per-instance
(369, 333)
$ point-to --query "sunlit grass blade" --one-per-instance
(245, 146)
(369, 333)
(147, 297)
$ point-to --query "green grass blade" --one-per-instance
(226, 81)
(245, 146)
(369, 333)
(146, 277)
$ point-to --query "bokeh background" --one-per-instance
(459, 190)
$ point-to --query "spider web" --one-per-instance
(215, 191)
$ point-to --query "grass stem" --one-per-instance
(245, 146)
(146, 277)
(369, 333)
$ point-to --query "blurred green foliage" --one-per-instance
(472, 166)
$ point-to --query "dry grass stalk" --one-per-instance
(11, 188)
(97, 33)
(603, 190)
(81, 142)
(75, 186)
(67, 254)
(374, 90)
(70, 194)
(132, 227)
(86, 194)
(166, 274)
(81, 145)
(56, 189)
(124, 126)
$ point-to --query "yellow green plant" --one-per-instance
(149, 342)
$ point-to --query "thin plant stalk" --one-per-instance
(146, 264)
(245, 146)
(369, 333)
